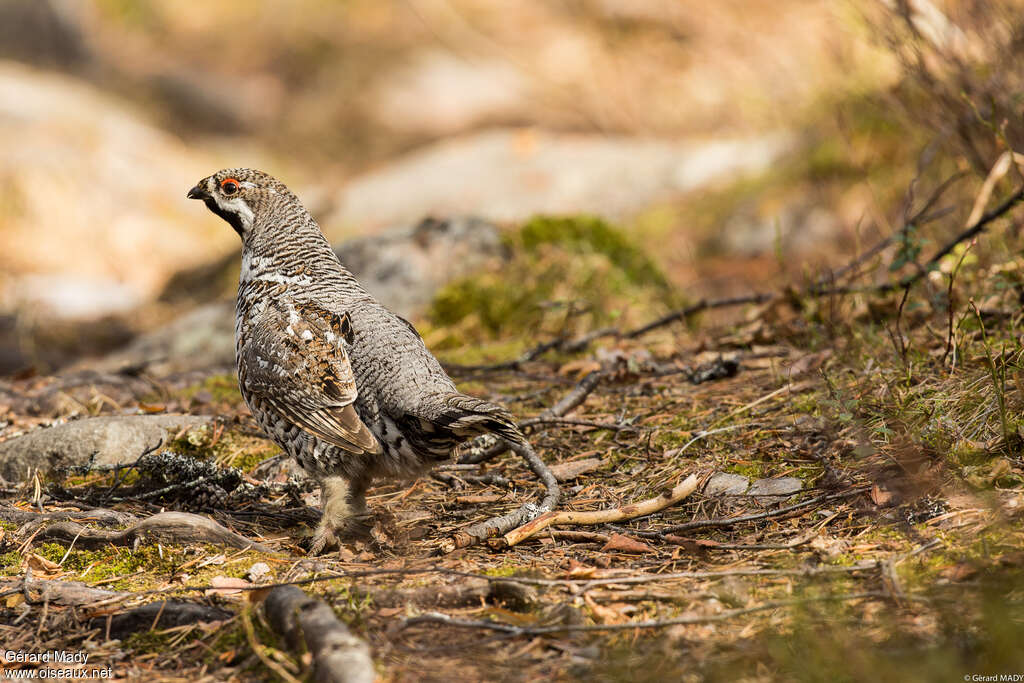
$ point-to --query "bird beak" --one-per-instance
(198, 193)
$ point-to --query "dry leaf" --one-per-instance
(959, 572)
(579, 368)
(227, 586)
(625, 544)
(579, 571)
(602, 614)
(566, 471)
(40, 564)
(880, 496)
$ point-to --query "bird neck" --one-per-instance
(296, 254)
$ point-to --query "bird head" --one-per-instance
(239, 194)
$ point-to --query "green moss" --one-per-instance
(751, 470)
(499, 572)
(223, 388)
(10, 561)
(198, 443)
(250, 455)
(589, 234)
(107, 563)
(578, 271)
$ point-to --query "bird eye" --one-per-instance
(229, 185)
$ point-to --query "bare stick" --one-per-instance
(646, 507)
(693, 309)
(338, 655)
(496, 526)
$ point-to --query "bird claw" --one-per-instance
(323, 539)
(356, 528)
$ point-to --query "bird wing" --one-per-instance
(293, 360)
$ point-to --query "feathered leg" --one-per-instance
(344, 512)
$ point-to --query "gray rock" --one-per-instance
(201, 339)
(725, 484)
(404, 267)
(780, 486)
(116, 439)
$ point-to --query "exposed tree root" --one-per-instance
(100, 515)
(338, 655)
(165, 527)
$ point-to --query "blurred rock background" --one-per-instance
(733, 142)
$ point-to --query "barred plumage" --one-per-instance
(342, 384)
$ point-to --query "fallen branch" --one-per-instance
(66, 593)
(338, 655)
(646, 507)
(497, 526)
(165, 527)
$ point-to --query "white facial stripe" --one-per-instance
(237, 205)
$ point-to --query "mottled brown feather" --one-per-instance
(294, 364)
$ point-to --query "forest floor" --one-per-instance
(872, 522)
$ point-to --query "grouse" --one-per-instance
(342, 384)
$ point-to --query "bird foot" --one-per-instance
(354, 530)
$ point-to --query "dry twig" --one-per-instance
(497, 526)
(646, 507)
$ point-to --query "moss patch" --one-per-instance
(569, 271)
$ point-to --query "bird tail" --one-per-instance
(466, 416)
